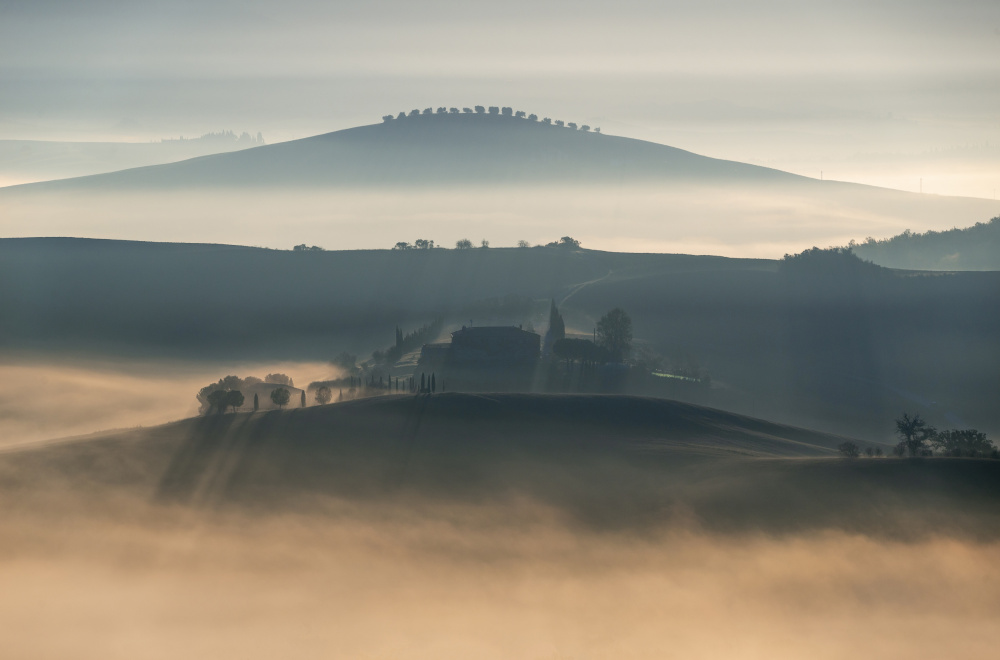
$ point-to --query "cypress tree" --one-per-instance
(433, 383)
(256, 403)
(303, 399)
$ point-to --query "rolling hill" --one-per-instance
(449, 176)
(840, 351)
(606, 461)
(435, 150)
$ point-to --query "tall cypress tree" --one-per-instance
(303, 399)
(256, 402)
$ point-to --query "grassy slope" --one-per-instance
(603, 460)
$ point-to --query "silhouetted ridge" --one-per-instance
(441, 149)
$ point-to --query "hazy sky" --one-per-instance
(878, 92)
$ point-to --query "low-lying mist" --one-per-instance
(460, 581)
(44, 398)
(752, 221)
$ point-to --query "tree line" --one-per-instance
(505, 111)
(918, 438)
(466, 244)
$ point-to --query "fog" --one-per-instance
(466, 581)
(44, 398)
(729, 221)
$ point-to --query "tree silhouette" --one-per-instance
(963, 442)
(280, 396)
(414, 112)
(402, 245)
(302, 404)
(914, 432)
(442, 111)
(453, 111)
(523, 244)
(849, 449)
(484, 243)
(507, 111)
(546, 121)
(532, 117)
(401, 115)
(234, 399)
(428, 111)
(480, 110)
(219, 400)
(571, 125)
(614, 333)
(559, 122)
(467, 111)
(557, 328)
(387, 118)
(423, 244)
(585, 128)
(463, 244)
(256, 402)
(279, 379)
(519, 114)
(494, 110)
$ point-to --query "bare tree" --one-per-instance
(323, 395)
(463, 244)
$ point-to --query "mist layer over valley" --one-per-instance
(406, 527)
(496, 176)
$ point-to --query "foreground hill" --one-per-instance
(602, 460)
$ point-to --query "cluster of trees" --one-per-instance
(462, 244)
(613, 339)
(228, 392)
(308, 248)
(466, 244)
(505, 111)
(918, 438)
(223, 136)
(419, 244)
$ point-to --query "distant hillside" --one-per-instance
(24, 161)
(970, 248)
(437, 149)
(606, 461)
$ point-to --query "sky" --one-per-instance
(900, 94)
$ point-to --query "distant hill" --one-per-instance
(970, 248)
(606, 461)
(24, 161)
(437, 150)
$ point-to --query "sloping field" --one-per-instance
(608, 461)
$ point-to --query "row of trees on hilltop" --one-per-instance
(505, 111)
(918, 438)
(466, 244)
